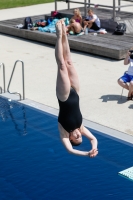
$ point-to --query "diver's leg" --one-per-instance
(74, 81)
(63, 82)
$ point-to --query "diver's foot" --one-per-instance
(59, 29)
(64, 30)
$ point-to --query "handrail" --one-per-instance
(24, 132)
(91, 4)
(123, 6)
(4, 84)
(22, 80)
(101, 5)
(119, 4)
(127, 0)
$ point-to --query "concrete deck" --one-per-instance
(100, 93)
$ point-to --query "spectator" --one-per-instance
(77, 16)
(92, 21)
(128, 76)
(74, 27)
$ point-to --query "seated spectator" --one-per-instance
(38, 23)
(74, 27)
(50, 28)
(92, 21)
(42, 24)
(128, 76)
(77, 16)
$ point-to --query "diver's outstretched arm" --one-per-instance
(93, 141)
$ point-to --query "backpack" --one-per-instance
(120, 29)
(55, 14)
(27, 22)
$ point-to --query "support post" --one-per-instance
(85, 8)
(119, 3)
(114, 12)
(89, 1)
(68, 6)
(55, 5)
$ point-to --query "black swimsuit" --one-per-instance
(70, 116)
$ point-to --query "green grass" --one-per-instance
(19, 3)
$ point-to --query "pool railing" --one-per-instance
(88, 4)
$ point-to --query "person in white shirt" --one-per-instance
(92, 21)
(128, 76)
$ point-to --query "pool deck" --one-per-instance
(100, 94)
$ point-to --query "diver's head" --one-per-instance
(75, 137)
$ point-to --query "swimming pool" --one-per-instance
(35, 165)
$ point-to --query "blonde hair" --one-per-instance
(78, 12)
(72, 20)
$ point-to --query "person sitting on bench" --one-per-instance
(77, 16)
(74, 27)
(92, 21)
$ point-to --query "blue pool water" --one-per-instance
(34, 165)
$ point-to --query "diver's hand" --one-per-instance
(92, 153)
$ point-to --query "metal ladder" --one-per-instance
(23, 85)
(4, 85)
